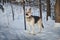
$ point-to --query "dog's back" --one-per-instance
(36, 18)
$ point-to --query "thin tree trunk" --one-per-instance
(40, 8)
(2, 1)
(48, 8)
(12, 11)
(23, 3)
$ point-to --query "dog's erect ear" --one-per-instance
(26, 9)
(30, 9)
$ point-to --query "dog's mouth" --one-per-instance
(27, 15)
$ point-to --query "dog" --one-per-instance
(1, 7)
(31, 20)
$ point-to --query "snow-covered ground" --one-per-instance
(14, 30)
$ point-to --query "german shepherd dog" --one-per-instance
(1, 7)
(31, 20)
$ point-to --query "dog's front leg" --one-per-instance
(33, 32)
(29, 28)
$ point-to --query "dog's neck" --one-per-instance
(29, 18)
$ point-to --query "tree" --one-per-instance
(48, 8)
(40, 8)
(12, 10)
(57, 11)
(23, 3)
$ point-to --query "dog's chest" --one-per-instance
(29, 19)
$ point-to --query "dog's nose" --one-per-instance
(26, 14)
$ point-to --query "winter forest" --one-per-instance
(13, 22)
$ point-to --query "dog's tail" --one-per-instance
(42, 26)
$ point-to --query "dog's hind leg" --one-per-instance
(40, 25)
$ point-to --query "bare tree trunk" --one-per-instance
(40, 8)
(12, 11)
(2, 2)
(23, 3)
(48, 8)
(57, 11)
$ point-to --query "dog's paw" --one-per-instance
(28, 32)
(39, 32)
(33, 33)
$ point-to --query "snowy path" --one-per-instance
(15, 29)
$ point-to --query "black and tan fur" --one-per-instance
(31, 20)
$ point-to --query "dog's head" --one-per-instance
(28, 12)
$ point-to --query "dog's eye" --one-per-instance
(26, 14)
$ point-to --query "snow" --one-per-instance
(15, 29)
(57, 24)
